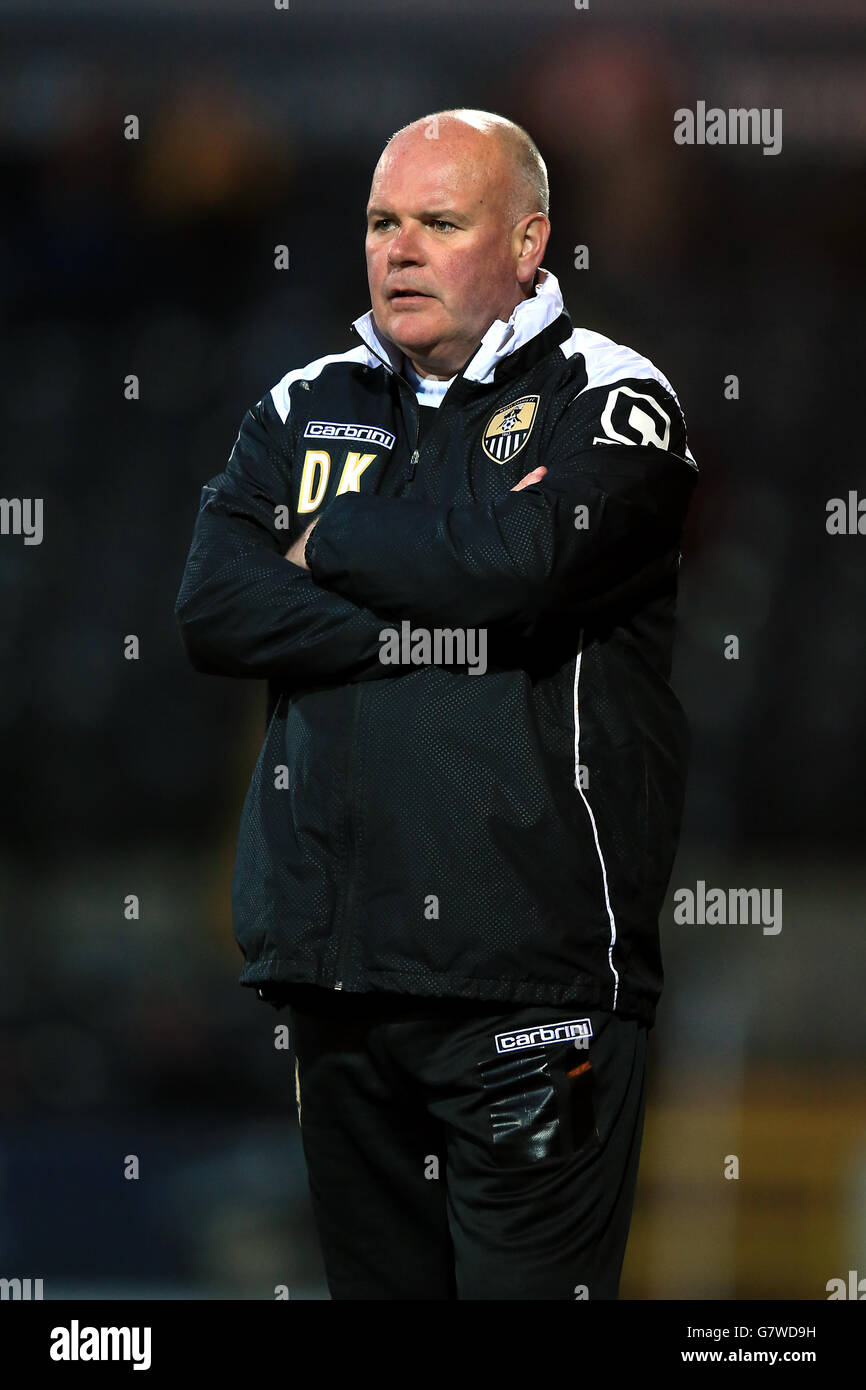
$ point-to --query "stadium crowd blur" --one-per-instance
(155, 257)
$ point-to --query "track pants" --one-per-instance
(466, 1150)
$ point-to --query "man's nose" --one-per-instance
(404, 247)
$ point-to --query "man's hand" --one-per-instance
(534, 477)
(295, 552)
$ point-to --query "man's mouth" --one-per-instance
(408, 294)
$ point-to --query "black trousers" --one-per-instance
(466, 1150)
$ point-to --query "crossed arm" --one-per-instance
(296, 550)
(586, 522)
(242, 610)
(592, 524)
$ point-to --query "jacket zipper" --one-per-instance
(410, 472)
(345, 929)
(343, 944)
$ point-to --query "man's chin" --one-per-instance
(418, 336)
(413, 328)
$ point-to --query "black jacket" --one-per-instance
(503, 828)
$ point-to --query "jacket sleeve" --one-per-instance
(604, 513)
(245, 610)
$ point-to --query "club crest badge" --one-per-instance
(508, 428)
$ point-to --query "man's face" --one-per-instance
(441, 250)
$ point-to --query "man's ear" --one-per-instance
(533, 234)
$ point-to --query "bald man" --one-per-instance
(452, 553)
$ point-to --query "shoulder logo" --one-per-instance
(508, 428)
(634, 417)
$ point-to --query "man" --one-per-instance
(461, 826)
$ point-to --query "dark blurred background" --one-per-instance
(155, 256)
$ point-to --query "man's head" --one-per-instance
(458, 213)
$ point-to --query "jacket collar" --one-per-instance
(527, 321)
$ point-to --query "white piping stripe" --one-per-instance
(608, 362)
(280, 393)
(592, 817)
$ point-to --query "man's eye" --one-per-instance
(380, 222)
(440, 222)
